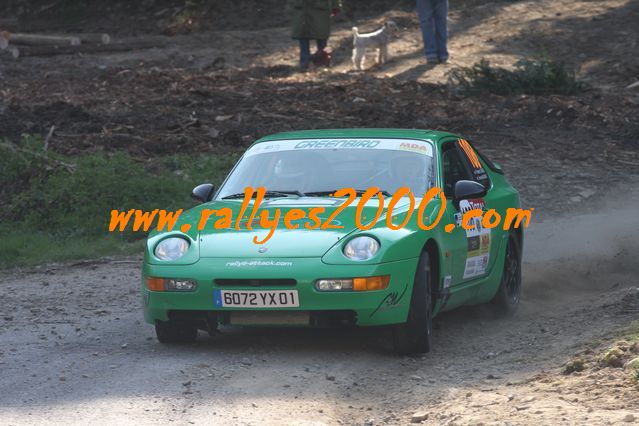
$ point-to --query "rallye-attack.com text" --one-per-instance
(470, 217)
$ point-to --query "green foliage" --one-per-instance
(540, 77)
(19, 168)
(613, 358)
(52, 201)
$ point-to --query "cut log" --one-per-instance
(94, 38)
(4, 39)
(85, 49)
(11, 51)
(44, 40)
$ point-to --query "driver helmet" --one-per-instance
(290, 168)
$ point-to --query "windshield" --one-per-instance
(315, 166)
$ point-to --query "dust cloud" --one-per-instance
(584, 253)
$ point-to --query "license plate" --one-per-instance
(256, 298)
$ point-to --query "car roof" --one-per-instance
(432, 135)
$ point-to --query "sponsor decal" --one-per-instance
(271, 147)
(444, 295)
(414, 147)
(390, 301)
(473, 244)
(478, 170)
(478, 239)
(417, 146)
(337, 143)
(245, 263)
(468, 205)
(470, 152)
(480, 174)
(478, 256)
(448, 279)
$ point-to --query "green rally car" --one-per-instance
(205, 276)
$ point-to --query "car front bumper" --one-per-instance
(380, 307)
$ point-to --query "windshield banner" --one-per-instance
(417, 146)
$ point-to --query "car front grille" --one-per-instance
(208, 320)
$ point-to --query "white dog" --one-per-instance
(377, 39)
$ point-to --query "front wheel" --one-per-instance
(413, 337)
(175, 333)
(509, 293)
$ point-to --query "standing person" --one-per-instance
(432, 19)
(311, 20)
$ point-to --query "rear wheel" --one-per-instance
(413, 337)
(174, 332)
(509, 293)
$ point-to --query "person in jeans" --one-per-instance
(432, 19)
(311, 20)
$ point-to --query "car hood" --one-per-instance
(284, 242)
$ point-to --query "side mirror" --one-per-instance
(498, 168)
(467, 189)
(203, 193)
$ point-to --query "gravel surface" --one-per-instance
(75, 350)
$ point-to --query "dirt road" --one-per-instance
(75, 350)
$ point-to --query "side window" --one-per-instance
(472, 159)
(453, 168)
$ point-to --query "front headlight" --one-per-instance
(171, 248)
(361, 248)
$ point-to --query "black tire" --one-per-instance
(508, 295)
(413, 337)
(175, 333)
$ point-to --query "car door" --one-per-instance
(474, 250)
(454, 168)
(483, 243)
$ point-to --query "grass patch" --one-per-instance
(57, 208)
(633, 331)
(24, 247)
(531, 77)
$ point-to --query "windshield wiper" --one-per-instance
(358, 192)
(266, 194)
